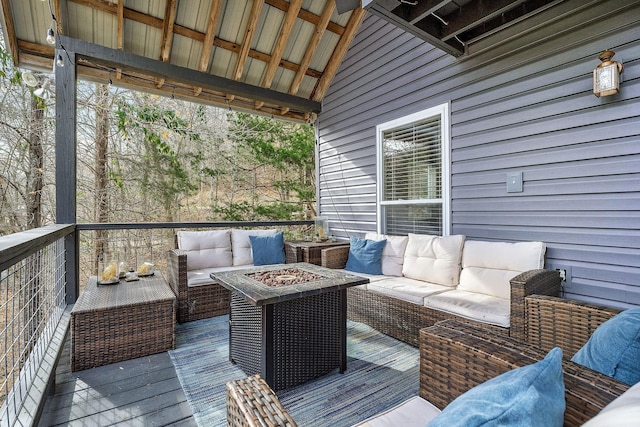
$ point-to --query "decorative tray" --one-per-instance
(112, 281)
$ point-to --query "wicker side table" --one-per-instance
(311, 252)
(111, 323)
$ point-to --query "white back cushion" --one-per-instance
(433, 259)
(241, 244)
(487, 267)
(392, 254)
(206, 249)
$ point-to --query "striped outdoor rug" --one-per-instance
(381, 372)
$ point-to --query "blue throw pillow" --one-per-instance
(365, 256)
(614, 348)
(268, 249)
(529, 396)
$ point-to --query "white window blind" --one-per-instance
(411, 165)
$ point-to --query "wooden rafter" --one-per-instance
(305, 15)
(338, 53)
(152, 21)
(262, 69)
(57, 11)
(281, 44)
(120, 35)
(312, 46)
(209, 37)
(250, 30)
(167, 29)
(10, 31)
(167, 33)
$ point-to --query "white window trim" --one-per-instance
(442, 110)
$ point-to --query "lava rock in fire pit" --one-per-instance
(284, 277)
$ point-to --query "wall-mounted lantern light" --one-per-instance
(606, 76)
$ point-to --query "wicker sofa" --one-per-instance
(490, 277)
(455, 357)
(196, 255)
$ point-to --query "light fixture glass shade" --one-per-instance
(59, 61)
(29, 79)
(42, 93)
(51, 37)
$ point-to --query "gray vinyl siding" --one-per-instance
(523, 105)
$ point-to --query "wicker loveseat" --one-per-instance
(489, 277)
(196, 255)
(454, 357)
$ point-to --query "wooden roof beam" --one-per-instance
(152, 21)
(313, 45)
(250, 30)
(57, 12)
(167, 30)
(209, 37)
(281, 44)
(167, 34)
(338, 53)
(10, 31)
(186, 76)
(305, 15)
(120, 35)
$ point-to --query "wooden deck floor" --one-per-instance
(138, 392)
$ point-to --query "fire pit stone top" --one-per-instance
(269, 284)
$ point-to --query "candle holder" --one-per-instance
(321, 228)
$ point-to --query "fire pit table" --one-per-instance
(288, 322)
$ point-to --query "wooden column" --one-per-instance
(66, 172)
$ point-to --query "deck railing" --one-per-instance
(38, 281)
(32, 304)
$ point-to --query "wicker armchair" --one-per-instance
(454, 357)
(558, 322)
(403, 320)
(194, 302)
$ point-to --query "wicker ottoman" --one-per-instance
(111, 323)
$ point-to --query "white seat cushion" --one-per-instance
(487, 267)
(414, 412)
(433, 259)
(241, 244)
(206, 249)
(371, 277)
(472, 305)
(406, 289)
(393, 252)
(201, 277)
(624, 411)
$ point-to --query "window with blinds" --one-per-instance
(412, 173)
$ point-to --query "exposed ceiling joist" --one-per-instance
(451, 25)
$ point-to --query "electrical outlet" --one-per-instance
(563, 274)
